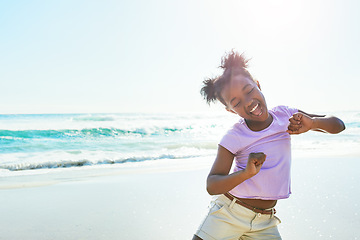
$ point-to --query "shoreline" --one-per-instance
(43, 177)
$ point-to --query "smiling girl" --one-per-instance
(260, 144)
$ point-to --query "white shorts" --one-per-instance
(229, 220)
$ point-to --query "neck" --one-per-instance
(258, 126)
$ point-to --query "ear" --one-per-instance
(230, 110)
(257, 83)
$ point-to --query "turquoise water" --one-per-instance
(38, 141)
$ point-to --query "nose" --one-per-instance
(249, 102)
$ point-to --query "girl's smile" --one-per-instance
(257, 111)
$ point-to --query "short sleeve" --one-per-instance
(289, 110)
(293, 111)
(230, 141)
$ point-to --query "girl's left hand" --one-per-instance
(300, 123)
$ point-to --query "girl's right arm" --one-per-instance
(220, 181)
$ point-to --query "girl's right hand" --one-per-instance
(254, 164)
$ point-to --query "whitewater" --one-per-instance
(49, 141)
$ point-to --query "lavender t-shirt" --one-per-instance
(273, 180)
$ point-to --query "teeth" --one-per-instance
(254, 108)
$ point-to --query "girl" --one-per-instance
(260, 144)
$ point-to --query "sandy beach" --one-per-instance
(152, 201)
(167, 200)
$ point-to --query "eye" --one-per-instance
(251, 90)
(237, 104)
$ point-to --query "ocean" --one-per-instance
(29, 142)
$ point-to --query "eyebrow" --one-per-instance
(246, 86)
(242, 89)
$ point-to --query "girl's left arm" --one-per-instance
(302, 122)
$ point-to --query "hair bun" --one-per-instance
(232, 64)
(234, 60)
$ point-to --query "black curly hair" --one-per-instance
(233, 64)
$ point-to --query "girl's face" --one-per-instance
(243, 97)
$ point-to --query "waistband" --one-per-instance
(254, 209)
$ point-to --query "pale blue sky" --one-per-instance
(151, 56)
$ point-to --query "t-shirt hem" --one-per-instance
(262, 197)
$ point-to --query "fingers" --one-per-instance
(295, 123)
(255, 162)
(293, 128)
(295, 119)
(297, 116)
(257, 158)
(293, 132)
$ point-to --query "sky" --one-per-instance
(109, 56)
